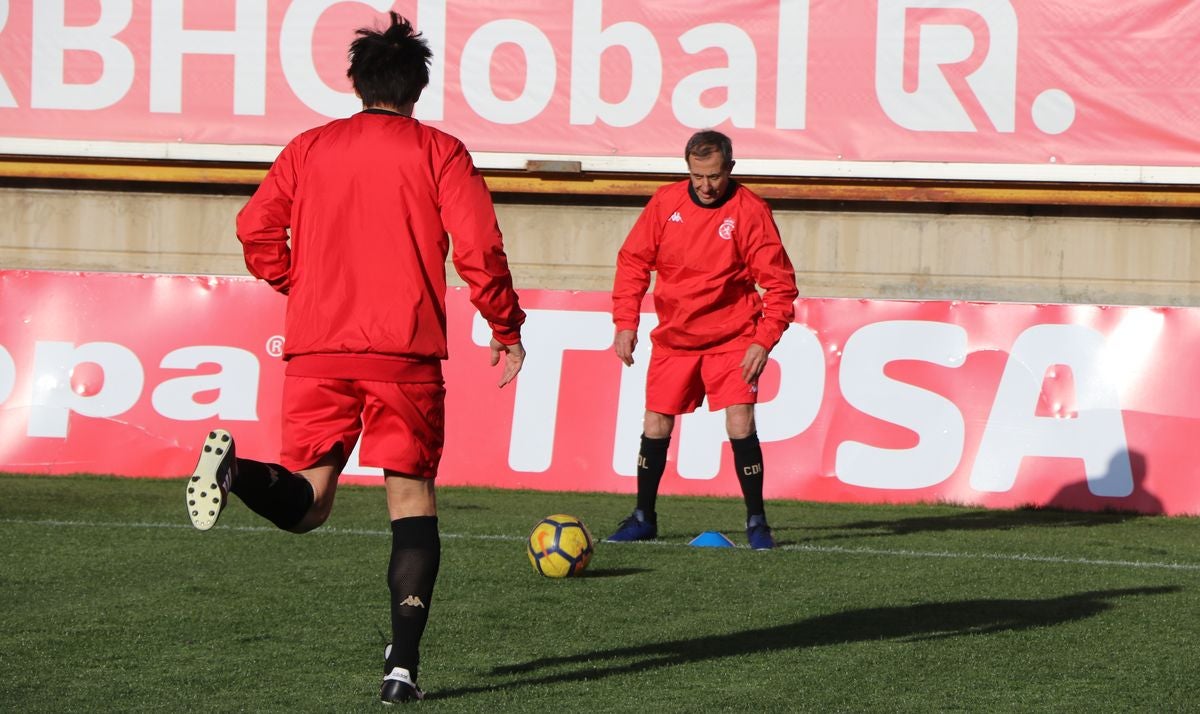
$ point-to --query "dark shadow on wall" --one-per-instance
(1077, 496)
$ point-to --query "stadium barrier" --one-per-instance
(993, 404)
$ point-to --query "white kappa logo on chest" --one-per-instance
(726, 229)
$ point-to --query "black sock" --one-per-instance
(652, 461)
(416, 554)
(273, 492)
(748, 461)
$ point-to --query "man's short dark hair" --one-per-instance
(704, 143)
(389, 67)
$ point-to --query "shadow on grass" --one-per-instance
(911, 623)
(612, 572)
(962, 521)
(1063, 510)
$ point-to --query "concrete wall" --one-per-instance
(895, 250)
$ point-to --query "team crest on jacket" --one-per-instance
(726, 229)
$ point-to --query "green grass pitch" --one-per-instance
(111, 602)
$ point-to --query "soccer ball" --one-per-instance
(560, 546)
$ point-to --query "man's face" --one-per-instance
(709, 178)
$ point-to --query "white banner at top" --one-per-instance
(1084, 90)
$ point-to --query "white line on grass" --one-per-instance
(801, 548)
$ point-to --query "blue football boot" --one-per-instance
(758, 533)
(635, 527)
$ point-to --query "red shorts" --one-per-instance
(402, 424)
(678, 383)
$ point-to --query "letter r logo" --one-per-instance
(938, 63)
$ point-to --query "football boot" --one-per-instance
(635, 527)
(758, 533)
(208, 488)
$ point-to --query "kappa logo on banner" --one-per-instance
(951, 65)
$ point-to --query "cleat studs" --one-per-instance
(207, 448)
(191, 501)
(195, 513)
(191, 489)
(212, 513)
(203, 494)
(216, 500)
(225, 437)
(212, 434)
(220, 451)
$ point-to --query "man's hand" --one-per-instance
(624, 344)
(513, 359)
(753, 363)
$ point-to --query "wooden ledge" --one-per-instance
(582, 185)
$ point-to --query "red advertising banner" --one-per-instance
(993, 404)
(1063, 89)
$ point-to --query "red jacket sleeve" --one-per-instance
(469, 216)
(263, 223)
(635, 261)
(772, 270)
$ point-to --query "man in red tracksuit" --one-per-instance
(710, 241)
(351, 224)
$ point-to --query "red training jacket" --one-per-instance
(708, 260)
(369, 201)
